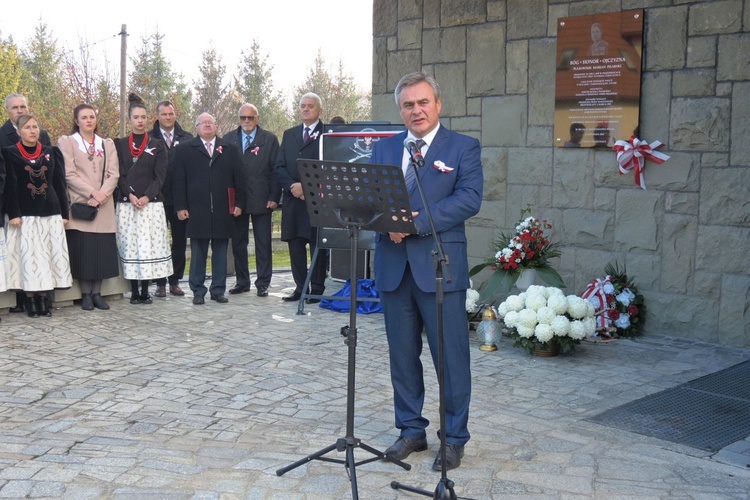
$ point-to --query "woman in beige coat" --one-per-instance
(91, 171)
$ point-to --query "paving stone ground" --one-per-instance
(175, 401)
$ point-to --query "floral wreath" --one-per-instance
(620, 307)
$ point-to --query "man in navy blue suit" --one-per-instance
(405, 269)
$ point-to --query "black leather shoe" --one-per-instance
(17, 309)
(98, 301)
(146, 299)
(262, 291)
(220, 299)
(404, 446)
(198, 301)
(239, 289)
(293, 297)
(453, 454)
(135, 299)
(312, 301)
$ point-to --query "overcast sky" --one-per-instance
(289, 31)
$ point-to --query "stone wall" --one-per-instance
(687, 238)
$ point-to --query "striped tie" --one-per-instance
(410, 175)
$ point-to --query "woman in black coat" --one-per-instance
(142, 239)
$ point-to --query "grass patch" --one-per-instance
(280, 260)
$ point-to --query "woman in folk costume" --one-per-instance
(91, 172)
(36, 203)
(142, 238)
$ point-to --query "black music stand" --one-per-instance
(355, 196)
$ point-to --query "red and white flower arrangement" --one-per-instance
(528, 248)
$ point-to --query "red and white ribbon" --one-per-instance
(595, 289)
(632, 155)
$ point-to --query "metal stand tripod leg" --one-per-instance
(348, 443)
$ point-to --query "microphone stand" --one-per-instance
(444, 489)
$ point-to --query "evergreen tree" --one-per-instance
(152, 78)
(338, 93)
(11, 70)
(212, 94)
(43, 77)
(254, 85)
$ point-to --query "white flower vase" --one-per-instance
(526, 279)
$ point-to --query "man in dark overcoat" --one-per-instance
(169, 130)
(301, 141)
(208, 190)
(16, 106)
(258, 149)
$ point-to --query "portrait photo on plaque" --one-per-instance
(598, 79)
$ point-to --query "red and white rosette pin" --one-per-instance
(632, 155)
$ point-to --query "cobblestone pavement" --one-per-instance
(178, 401)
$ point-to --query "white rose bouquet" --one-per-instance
(543, 317)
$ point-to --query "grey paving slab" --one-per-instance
(207, 402)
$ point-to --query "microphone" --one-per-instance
(414, 152)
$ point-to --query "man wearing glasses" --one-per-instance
(207, 175)
(258, 149)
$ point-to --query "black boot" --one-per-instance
(30, 307)
(20, 299)
(99, 301)
(87, 303)
(42, 306)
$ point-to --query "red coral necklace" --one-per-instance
(31, 157)
(137, 151)
(90, 148)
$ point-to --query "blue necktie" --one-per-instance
(247, 143)
(410, 175)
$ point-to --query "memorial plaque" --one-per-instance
(598, 79)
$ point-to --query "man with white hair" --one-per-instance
(301, 141)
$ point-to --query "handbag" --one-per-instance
(83, 211)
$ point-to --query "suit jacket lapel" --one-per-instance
(198, 143)
(317, 130)
(433, 152)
